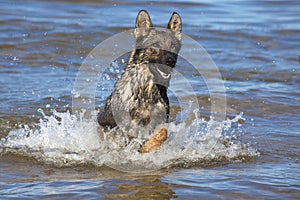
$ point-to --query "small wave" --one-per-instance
(64, 139)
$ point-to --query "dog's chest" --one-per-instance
(137, 92)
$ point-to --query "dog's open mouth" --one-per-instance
(162, 73)
(165, 75)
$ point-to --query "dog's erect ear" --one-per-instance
(143, 24)
(175, 24)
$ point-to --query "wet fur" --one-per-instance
(140, 95)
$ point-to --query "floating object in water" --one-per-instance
(155, 142)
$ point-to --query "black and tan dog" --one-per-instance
(140, 95)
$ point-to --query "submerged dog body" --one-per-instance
(140, 95)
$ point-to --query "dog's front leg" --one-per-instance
(105, 117)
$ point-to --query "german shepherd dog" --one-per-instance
(139, 100)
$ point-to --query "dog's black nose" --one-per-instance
(170, 59)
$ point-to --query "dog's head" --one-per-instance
(158, 48)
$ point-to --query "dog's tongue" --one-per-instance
(165, 75)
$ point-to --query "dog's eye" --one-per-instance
(153, 49)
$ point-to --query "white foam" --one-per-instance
(65, 139)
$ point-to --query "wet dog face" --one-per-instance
(158, 48)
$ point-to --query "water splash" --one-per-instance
(65, 139)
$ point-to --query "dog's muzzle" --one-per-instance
(162, 73)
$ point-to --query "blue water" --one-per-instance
(45, 152)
